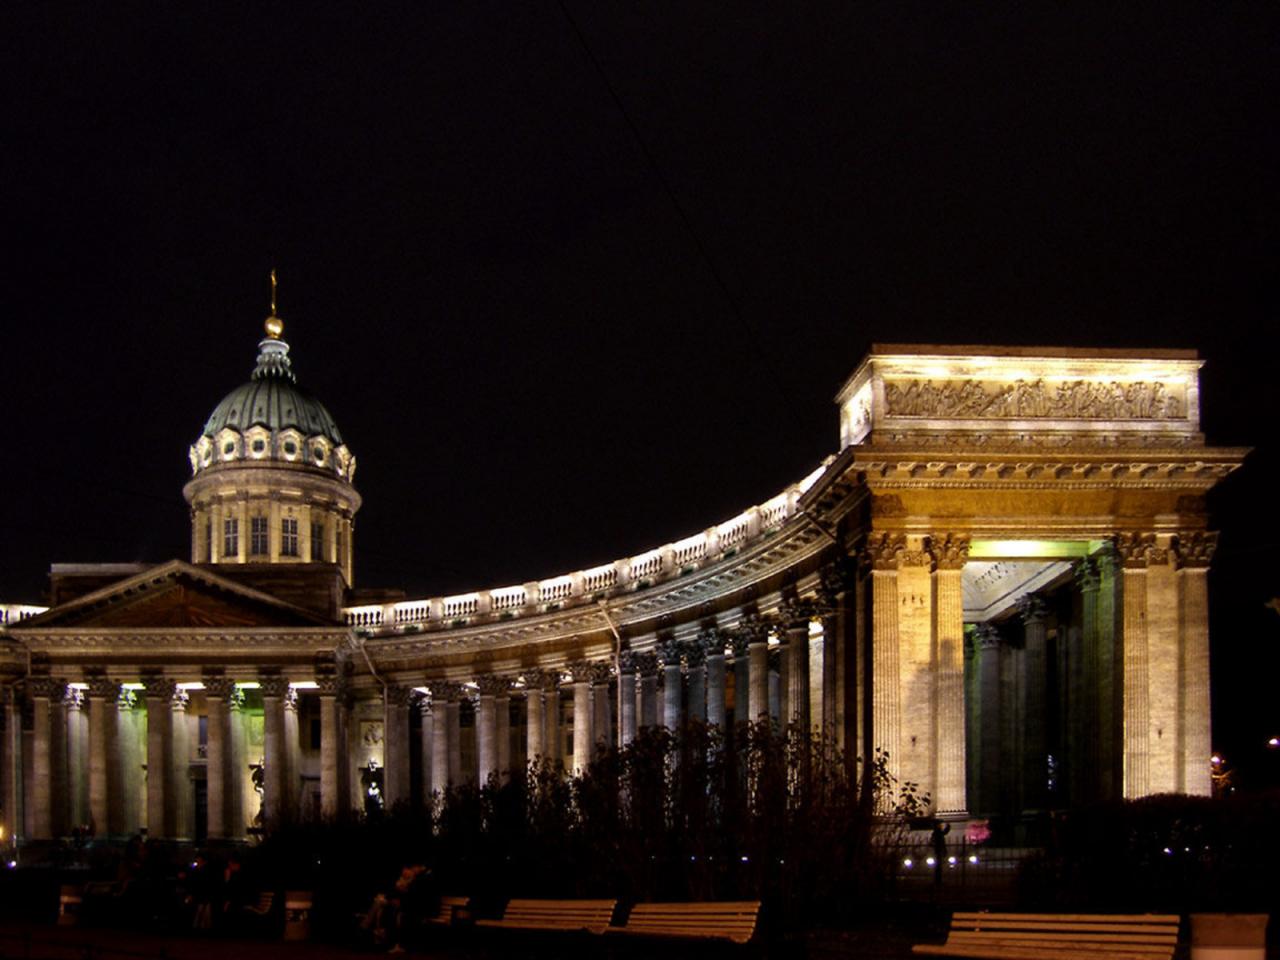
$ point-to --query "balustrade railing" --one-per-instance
(641, 570)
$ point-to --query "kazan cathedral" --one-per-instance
(998, 578)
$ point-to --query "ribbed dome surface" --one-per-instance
(275, 403)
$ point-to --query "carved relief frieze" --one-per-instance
(1033, 400)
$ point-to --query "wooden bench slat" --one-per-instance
(1070, 917)
(1076, 936)
(1023, 953)
(1068, 927)
(1033, 936)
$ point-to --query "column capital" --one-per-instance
(627, 662)
(986, 636)
(884, 551)
(494, 684)
(273, 684)
(670, 652)
(837, 577)
(329, 684)
(397, 695)
(72, 697)
(950, 551)
(1196, 548)
(50, 688)
(156, 687)
(695, 654)
(1032, 609)
(601, 672)
(712, 640)
(102, 687)
(180, 699)
(739, 640)
(1087, 576)
(580, 670)
(1135, 549)
(795, 613)
(646, 663)
(443, 690)
(219, 687)
(753, 628)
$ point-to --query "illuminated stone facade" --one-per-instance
(998, 579)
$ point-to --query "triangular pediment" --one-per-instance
(175, 595)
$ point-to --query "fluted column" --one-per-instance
(441, 693)
(426, 714)
(1133, 550)
(583, 717)
(1034, 613)
(758, 674)
(292, 761)
(273, 688)
(104, 751)
(987, 641)
(712, 641)
(796, 623)
(695, 658)
(647, 668)
(738, 640)
(42, 691)
(11, 761)
(395, 744)
(950, 553)
(884, 552)
(627, 696)
(535, 723)
(181, 796)
(237, 766)
(502, 725)
(1086, 730)
(552, 744)
(59, 763)
(776, 688)
(328, 687)
(159, 700)
(670, 653)
(217, 691)
(452, 719)
(1195, 550)
(487, 727)
(602, 721)
(77, 757)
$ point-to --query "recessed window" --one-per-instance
(258, 536)
(229, 448)
(289, 537)
(259, 445)
(317, 543)
(230, 537)
(318, 452)
(207, 553)
(290, 448)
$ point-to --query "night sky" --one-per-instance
(577, 279)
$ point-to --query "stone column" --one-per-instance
(712, 642)
(128, 815)
(1195, 550)
(42, 691)
(78, 756)
(158, 692)
(987, 642)
(426, 714)
(395, 744)
(441, 693)
(452, 719)
(217, 691)
(58, 764)
(237, 766)
(776, 688)
(1035, 713)
(695, 658)
(535, 723)
(627, 696)
(580, 670)
(1133, 550)
(738, 640)
(647, 667)
(1088, 734)
(181, 796)
(502, 725)
(1165, 662)
(552, 744)
(11, 762)
(292, 761)
(104, 751)
(796, 626)
(602, 721)
(758, 673)
(487, 728)
(670, 653)
(328, 686)
(884, 552)
(273, 688)
(949, 554)
(1110, 730)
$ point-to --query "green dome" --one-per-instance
(275, 403)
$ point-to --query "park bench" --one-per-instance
(734, 921)
(1031, 936)
(568, 916)
(450, 910)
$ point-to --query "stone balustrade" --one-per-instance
(13, 612)
(637, 572)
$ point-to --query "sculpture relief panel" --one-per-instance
(1028, 400)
